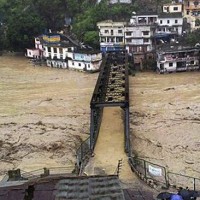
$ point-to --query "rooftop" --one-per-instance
(73, 188)
(177, 48)
(170, 15)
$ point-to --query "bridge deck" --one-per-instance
(112, 87)
(110, 146)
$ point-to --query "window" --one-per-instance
(119, 31)
(110, 39)
(192, 62)
(49, 49)
(168, 21)
(160, 21)
(79, 64)
(128, 40)
(170, 64)
(128, 33)
(106, 31)
(103, 39)
(119, 39)
(175, 8)
(188, 12)
(146, 40)
(72, 63)
(145, 32)
(55, 50)
(88, 65)
(176, 21)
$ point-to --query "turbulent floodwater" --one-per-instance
(165, 120)
(45, 112)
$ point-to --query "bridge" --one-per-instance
(111, 90)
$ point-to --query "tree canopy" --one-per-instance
(21, 20)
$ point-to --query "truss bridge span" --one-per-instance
(111, 90)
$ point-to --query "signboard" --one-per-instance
(51, 38)
(155, 171)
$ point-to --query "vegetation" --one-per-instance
(21, 20)
(193, 38)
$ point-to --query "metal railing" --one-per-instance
(157, 176)
(44, 172)
(183, 181)
(83, 153)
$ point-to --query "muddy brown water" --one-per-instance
(45, 112)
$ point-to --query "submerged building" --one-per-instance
(59, 51)
(178, 59)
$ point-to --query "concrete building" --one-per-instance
(172, 8)
(170, 23)
(111, 35)
(177, 59)
(60, 52)
(192, 13)
(139, 31)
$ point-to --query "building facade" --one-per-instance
(62, 53)
(192, 13)
(111, 35)
(170, 23)
(172, 8)
(139, 31)
(178, 59)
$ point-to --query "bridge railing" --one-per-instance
(158, 176)
(47, 171)
(83, 153)
(151, 173)
(183, 181)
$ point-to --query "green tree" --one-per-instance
(20, 32)
(92, 38)
(193, 38)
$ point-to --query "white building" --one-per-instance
(173, 8)
(170, 23)
(59, 52)
(111, 35)
(139, 31)
(85, 60)
(178, 59)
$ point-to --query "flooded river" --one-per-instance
(45, 113)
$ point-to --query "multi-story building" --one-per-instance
(111, 35)
(139, 31)
(192, 12)
(177, 59)
(170, 23)
(85, 60)
(138, 34)
(60, 52)
(172, 7)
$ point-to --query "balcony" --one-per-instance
(177, 59)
